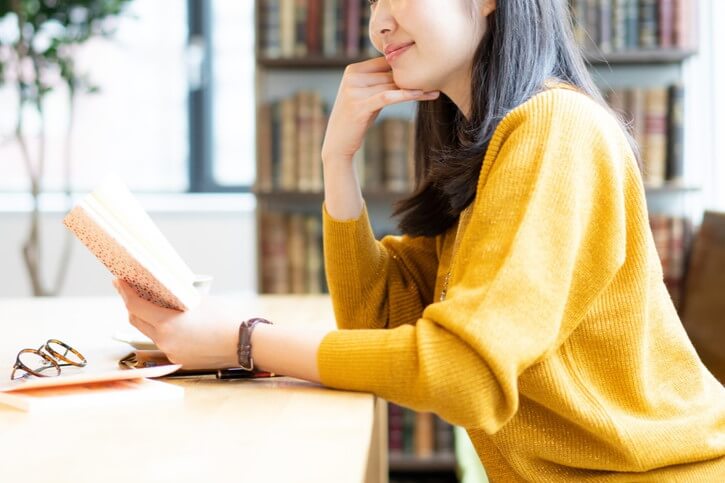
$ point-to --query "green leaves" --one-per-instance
(50, 29)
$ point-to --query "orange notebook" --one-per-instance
(113, 225)
(91, 389)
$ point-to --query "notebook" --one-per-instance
(91, 390)
(113, 225)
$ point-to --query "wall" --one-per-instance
(214, 234)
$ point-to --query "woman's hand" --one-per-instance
(201, 338)
(366, 88)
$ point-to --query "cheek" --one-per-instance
(375, 40)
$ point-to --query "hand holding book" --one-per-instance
(117, 230)
(200, 338)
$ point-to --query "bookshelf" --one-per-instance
(290, 58)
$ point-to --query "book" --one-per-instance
(113, 225)
(90, 388)
(92, 395)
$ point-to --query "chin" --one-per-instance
(406, 81)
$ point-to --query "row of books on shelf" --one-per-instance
(309, 28)
(419, 434)
(620, 25)
(290, 133)
(672, 236)
(291, 253)
(655, 120)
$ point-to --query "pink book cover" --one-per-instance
(114, 226)
(119, 261)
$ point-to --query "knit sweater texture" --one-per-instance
(557, 346)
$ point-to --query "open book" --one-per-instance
(111, 222)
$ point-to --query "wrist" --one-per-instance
(245, 353)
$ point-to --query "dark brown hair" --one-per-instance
(527, 43)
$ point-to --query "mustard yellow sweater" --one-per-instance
(557, 346)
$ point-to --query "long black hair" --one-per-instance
(527, 43)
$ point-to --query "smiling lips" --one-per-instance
(395, 50)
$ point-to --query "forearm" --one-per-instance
(343, 198)
(291, 351)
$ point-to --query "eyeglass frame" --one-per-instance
(45, 352)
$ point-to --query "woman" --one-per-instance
(525, 301)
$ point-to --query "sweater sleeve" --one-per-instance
(376, 284)
(545, 237)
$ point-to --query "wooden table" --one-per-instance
(262, 430)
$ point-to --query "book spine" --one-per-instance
(443, 436)
(632, 23)
(395, 429)
(264, 148)
(313, 232)
(303, 101)
(352, 34)
(288, 163)
(424, 434)
(275, 262)
(297, 251)
(341, 27)
(578, 12)
(287, 27)
(680, 30)
(329, 27)
(276, 147)
(300, 42)
(318, 131)
(637, 109)
(314, 27)
(408, 431)
(665, 23)
(592, 25)
(648, 24)
(655, 151)
(605, 25)
(675, 136)
(619, 25)
(270, 36)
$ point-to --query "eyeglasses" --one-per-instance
(54, 354)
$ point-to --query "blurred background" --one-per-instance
(213, 111)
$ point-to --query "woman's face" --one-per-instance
(441, 39)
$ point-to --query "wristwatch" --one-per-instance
(244, 347)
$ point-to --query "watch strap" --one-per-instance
(244, 345)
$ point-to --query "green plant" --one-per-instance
(36, 59)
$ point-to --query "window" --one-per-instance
(135, 126)
(175, 111)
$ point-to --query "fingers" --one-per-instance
(377, 64)
(370, 79)
(140, 307)
(146, 329)
(389, 97)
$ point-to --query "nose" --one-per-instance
(382, 23)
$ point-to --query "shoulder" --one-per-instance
(565, 121)
(561, 135)
(563, 111)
